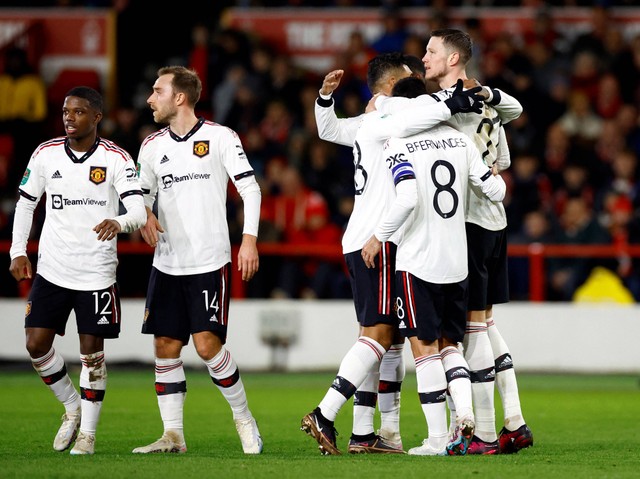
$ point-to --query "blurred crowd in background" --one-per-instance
(574, 176)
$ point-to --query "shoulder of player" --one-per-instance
(155, 137)
(114, 151)
(213, 128)
(49, 146)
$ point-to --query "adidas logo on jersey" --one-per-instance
(214, 319)
(164, 159)
(103, 320)
(56, 175)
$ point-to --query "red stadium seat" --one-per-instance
(69, 78)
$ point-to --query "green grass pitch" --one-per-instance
(584, 427)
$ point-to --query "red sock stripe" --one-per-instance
(372, 346)
(422, 360)
(471, 329)
(167, 368)
(224, 362)
(40, 363)
(95, 362)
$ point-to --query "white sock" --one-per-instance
(225, 374)
(505, 378)
(392, 372)
(432, 388)
(356, 364)
(479, 356)
(171, 390)
(52, 370)
(452, 414)
(458, 381)
(364, 403)
(93, 385)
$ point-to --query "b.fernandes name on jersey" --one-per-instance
(438, 144)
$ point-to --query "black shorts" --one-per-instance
(488, 275)
(97, 312)
(431, 311)
(373, 288)
(178, 306)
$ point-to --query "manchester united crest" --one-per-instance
(97, 174)
(28, 309)
(201, 148)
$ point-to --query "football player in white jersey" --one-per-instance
(432, 171)
(85, 178)
(447, 54)
(360, 370)
(186, 168)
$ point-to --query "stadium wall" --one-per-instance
(314, 335)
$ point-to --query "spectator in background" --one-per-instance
(585, 75)
(545, 32)
(23, 108)
(528, 189)
(628, 123)
(125, 126)
(302, 215)
(593, 40)
(625, 66)
(286, 85)
(394, 32)
(609, 143)
(577, 225)
(535, 228)
(575, 184)
(609, 99)
(230, 47)
(579, 121)
(200, 61)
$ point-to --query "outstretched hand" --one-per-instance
(331, 81)
(465, 101)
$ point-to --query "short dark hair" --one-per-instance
(92, 96)
(456, 40)
(380, 66)
(415, 65)
(409, 87)
(184, 81)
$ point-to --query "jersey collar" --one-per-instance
(190, 134)
(90, 152)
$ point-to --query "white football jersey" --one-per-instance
(80, 193)
(487, 133)
(444, 162)
(374, 190)
(189, 176)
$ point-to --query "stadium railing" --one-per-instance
(536, 253)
